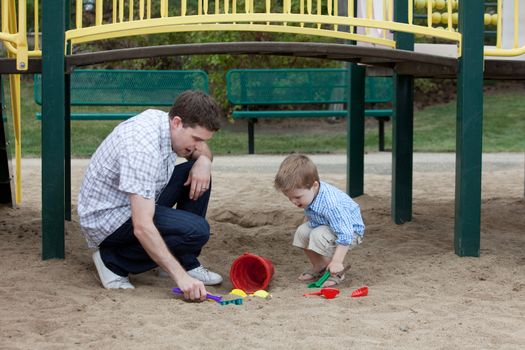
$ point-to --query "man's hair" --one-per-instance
(297, 171)
(197, 108)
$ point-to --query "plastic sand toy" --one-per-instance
(360, 292)
(261, 293)
(328, 293)
(320, 281)
(216, 298)
(238, 292)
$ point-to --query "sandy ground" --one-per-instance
(421, 295)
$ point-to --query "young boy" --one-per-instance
(333, 223)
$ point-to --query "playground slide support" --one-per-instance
(53, 129)
(6, 190)
(67, 128)
(469, 129)
(355, 143)
(402, 128)
(355, 140)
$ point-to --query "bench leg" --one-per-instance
(381, 134)
(251, 138)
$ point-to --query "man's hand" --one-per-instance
(192, 288)
(199, 177)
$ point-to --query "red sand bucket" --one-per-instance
(251, 272)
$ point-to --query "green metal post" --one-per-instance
(469, 129)
(67, 127)
(402, 128)
(6, 190)
(355, 144)
(53, 114)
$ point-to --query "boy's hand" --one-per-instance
(335, 267)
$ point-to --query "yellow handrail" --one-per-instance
(229, 15)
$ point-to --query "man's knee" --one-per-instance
(200, 231)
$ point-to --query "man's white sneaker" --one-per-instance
(109, 279)
(206, 276)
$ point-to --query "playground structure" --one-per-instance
(377, 33)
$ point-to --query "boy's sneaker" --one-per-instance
(206, 276)
(109, 279)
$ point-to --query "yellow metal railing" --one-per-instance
(508, 32)
(119, 18)
(14, 35)
(14, 38)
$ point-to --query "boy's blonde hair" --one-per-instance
(297, 171)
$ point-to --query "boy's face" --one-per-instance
(303, 197)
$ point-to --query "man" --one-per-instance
(129, 190)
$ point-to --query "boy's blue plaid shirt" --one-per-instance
(334, 208)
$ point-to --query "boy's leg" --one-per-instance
(302, 240)
(322, 241)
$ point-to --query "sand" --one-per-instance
(421, 295)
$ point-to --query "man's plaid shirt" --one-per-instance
(136, 158)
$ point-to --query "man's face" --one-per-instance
(185, 140)
(303, 197)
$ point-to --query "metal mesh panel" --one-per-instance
(129, 87)
(283, 86)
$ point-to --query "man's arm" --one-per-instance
(199, 177)
(142, 211)
(202, 150)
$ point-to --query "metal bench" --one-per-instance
(97, 87)
(260, 91)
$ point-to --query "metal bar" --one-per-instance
(402, 128)
(53, 99)
(469, 127)
(36, 20)
(78, 14)
(355, 144)
(67, 147)
(67, 127)
(99, 7)
(251, 136)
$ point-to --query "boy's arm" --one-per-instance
(336, 265)
(343, 221)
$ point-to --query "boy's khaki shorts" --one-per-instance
(320, 239)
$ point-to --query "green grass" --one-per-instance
(434, 131)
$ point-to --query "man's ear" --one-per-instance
(176, 121)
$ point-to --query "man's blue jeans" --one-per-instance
(184, 229)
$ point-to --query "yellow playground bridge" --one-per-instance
(365, 33)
